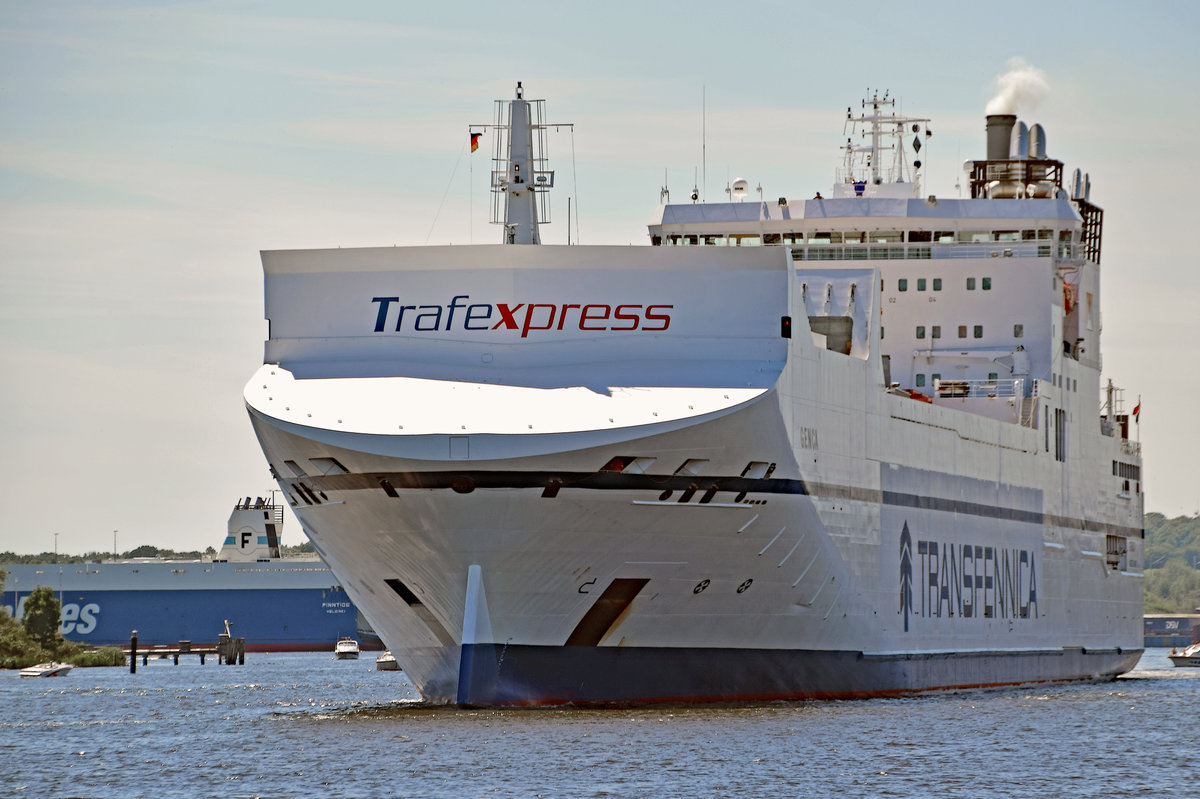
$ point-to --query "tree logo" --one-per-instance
(905, 574)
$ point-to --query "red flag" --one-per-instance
(475, 141)
(1137, 411)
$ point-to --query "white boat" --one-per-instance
(47, 670)
(386, 662)
(850, 446)
(346, 648)
(1188, 656)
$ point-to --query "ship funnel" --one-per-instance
(999, 134)
(1037, 142)
(1019, 144)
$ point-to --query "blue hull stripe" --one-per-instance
(468, 480)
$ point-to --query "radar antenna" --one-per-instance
(875, 126)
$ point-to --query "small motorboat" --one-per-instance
(47, 670)
(346, 648)
(386, 662)
(1188, 656)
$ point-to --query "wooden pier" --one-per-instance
(229, 650)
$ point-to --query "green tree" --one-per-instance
(43, 614)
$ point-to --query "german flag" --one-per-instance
(475, 141)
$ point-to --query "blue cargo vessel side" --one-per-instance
(276, 603)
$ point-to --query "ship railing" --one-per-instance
(900, 252)
(968, 389)
(1132, 448)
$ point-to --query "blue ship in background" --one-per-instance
(276, 603)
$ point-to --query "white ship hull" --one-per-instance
(781, 586)
(602, 475)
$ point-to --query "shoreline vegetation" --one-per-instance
(36, 639)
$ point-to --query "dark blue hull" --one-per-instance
(493, 674)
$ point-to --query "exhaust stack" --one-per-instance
(999, 134)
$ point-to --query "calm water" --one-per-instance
(307, 725)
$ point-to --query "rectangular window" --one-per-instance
(920, 331)
(885, 237)
(962, 331)
(936, 332)
(944, 236)
(881, 332)
(978, 331)
(993, 376)
(987, 284)
(937, 284)
(1018, 331)
(920, 380)
(970, 284)
(920, 284)
(902, 284)
(935, 377)
(919, 236)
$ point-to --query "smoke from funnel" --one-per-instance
(1022, 85)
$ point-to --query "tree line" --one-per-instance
(144, 551)
(1172, 583)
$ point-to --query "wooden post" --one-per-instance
(133, 652)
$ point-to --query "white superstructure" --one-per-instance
(834, 447)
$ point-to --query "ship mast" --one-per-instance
(520, 179)
(864, 162)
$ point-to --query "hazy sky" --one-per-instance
(149, 151)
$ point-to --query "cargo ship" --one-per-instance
(292, 603)
(849, 446)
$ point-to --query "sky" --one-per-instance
(149, 151)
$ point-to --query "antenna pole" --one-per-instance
(704, 139)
